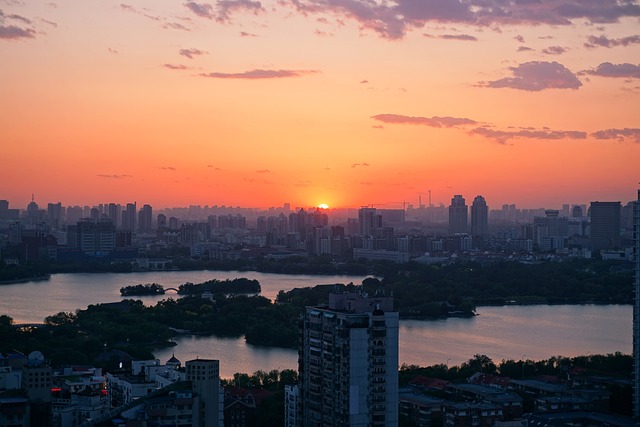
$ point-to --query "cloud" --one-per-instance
(524, 49)
(355, 165)
(554, 50)
(176, 67)
(536, 76)
(132, 9)
(224, 9)
(53, 24)
(203, 10)
(169, 168)
(260, 74)
(618, 134)
(175, 26)
(190, 53)
(604, 41)
(607, 69)
(113, 176)
(245, 34)
(15, 32)
(463, 37)
(227, 7)
(11, 32)
(519, 38)
(263, 171)
(502, 137)
(393, 19)
(435, 121)
(111, 50)
(19, 18)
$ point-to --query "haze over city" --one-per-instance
(346, 103)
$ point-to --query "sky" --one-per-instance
(343, 102)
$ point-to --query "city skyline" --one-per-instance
(346, 103)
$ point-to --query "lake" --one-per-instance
(511, 332)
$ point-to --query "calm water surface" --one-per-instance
(512, 332)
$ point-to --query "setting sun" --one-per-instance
(323, 206)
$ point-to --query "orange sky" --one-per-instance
(344, 102)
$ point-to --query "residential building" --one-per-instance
(458, 215)
(348, 362)
(479, 217)
(605, 225)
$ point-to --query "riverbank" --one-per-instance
(26, 279)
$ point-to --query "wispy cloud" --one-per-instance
(393, 19)
(607, 69)
(554, 50)
(536, 76)
(245, 34)
(435, 121)
(224, 9)
(260, 74)
(604, 41)
(462, 37)
(143, 12)
(190, 53)
(169, 168)
(618, 134)
(176, 66)
(263, 171)
(175, 26)
(355, 165)
(502, 136)
(12, 32)
(113, 176)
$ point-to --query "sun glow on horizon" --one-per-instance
(323, 206)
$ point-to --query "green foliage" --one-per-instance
(235, 286)
(140, 289)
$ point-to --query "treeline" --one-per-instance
(140, 289)
(508, 282)
(234, 286)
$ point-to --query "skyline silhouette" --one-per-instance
(345, 102)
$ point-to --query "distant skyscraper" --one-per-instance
(129, 217)
(348, 362)
(636, 310)
(479, 217)
(114, 213)
(605, 225)
(144, 219)
(368, 221)
(576, 211)
(458, 215)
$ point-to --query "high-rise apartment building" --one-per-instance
(129, 217)
(92, 237)
(605, 225)
(204, 375)
(368, 221)
(144, 219)
(636, 310)
(458, 215)
(348, 362)
(479, 217)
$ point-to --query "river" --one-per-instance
(512, 332)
